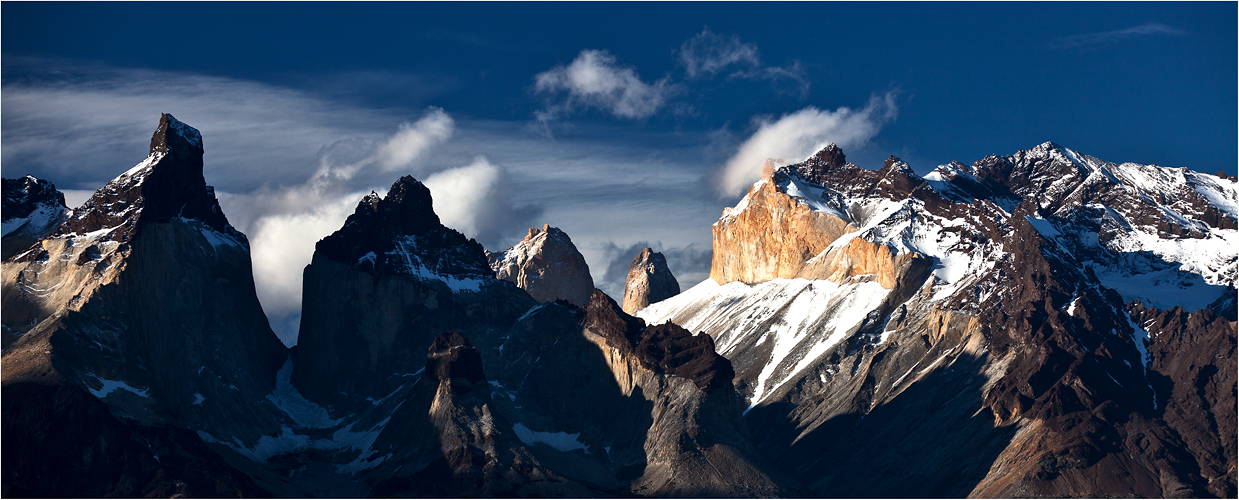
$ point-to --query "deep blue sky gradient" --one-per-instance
(972, 78)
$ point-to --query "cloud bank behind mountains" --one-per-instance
(289, 166)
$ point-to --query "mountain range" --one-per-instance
(1042, 324)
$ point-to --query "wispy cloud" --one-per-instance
(708, 54)
(1110, 37)
(795, 136)
(596, 80)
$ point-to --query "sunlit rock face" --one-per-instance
(547, 265)
(880, 323)
(649, 280)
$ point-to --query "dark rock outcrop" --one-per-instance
(378, 290)
(167, 185)
(649, 280)
(33, 208)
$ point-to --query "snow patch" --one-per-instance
(561, 441)
(109, 386)
(304, 412)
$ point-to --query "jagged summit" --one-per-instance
(167, 185)
(401, 233)
(32, 209)
(175, 137)
(824, 164)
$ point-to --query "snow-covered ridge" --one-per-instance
(41, 221)
(1110, 217)
(802, 319)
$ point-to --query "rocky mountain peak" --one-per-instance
(894, 164)
(665, 348)
(832, 156)
(401, 233)
(649, 281)
(22, 196)
(547, 265)
(167, 185)
(32, 208)
(604, 317)
(819, 168)
(173, 136)
(407, 208)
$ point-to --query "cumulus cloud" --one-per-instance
(797, 135)
(282, 244)
(414, 139)
(595, 80)
(1108, 37)
(477, 200)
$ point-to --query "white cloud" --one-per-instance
(282, 244)
(707, 53)
(797, 135)
(477, 200)
(594, 79)
(412, 141)
(1108, 37)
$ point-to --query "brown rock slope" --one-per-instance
(649, 280)
(450, 441)
(996, 360)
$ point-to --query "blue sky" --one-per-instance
(623, 123)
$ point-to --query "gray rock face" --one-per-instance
(649, 281)
(547, 265)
